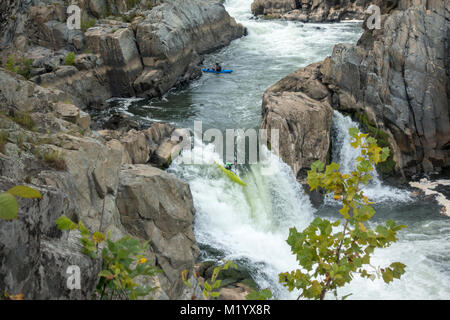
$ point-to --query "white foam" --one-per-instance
(346, 155)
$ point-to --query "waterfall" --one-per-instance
(346, 155)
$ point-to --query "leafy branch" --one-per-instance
(123, 261)
(9, 207)
(331, 253)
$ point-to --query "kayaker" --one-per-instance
(228, 166)
(217, 68)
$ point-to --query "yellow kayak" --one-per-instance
(233, 176)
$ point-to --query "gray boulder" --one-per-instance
(304, 123)
(156, 206)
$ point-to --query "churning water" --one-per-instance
(251, 224)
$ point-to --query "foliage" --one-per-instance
(264, 294)
(9, 207)
(3, 140)
(122, 262)
(132, 3)
(53, 159)
(87, 23)
(211, 286)
(25, 68)
(148, 5)
(10, 64)
(382, 137)
(19, 296)
(331, 253)
(24, 119)
(22, 66)
(70, 59)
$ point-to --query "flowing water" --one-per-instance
(250, 225)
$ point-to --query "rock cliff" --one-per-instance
(121, 49)
(395, 81)
(303, 119)
(104, 179)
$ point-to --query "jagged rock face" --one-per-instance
(154, 205)
(158, 48)
(157, 145)
(172, 37)
(12, 19)
(311, 10)
(34, 255)
(399, 77)
(304, 123)
(120, 54)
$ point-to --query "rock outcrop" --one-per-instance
(311, 10)
(158, 145)
(122, 50)
(154, 205)
(171, 47)
(303, 119)
(47, 144)
(395, 81)
(111, 180)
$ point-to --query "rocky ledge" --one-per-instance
(107, 179)
(395, 82)
(121, 50)
(311, 10)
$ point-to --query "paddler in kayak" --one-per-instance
(217, 67)
(228, 165)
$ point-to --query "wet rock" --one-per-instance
(395, 81)
(170, 47)
(122, 122)
(304, 126)
(397, 76)
(311, 10)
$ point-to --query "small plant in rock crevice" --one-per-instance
(123, 261)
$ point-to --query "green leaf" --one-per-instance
(98, 237)
(215, 294)
(388, 275)
(264, 294)
(208, 286)
(25, 192)
(318, 166)
(65, 223)
(205, 294)
(353, 132)
(9, 207)
(83, 230)
(345, 212)
(217, 284)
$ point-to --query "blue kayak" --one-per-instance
(213, 71)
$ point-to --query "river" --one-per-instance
(250, 225)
